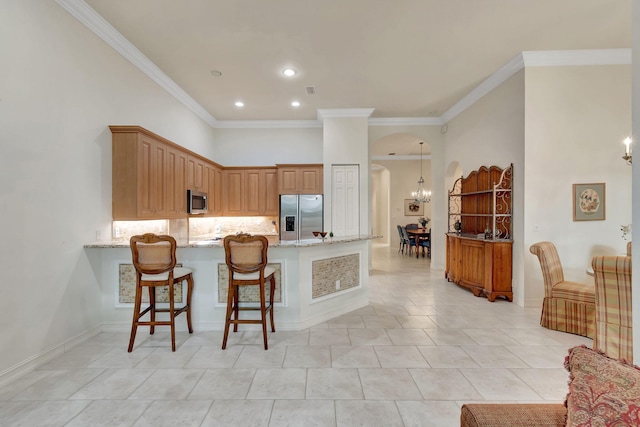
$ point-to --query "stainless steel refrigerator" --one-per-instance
(300, 216)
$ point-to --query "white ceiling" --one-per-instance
(403, 58)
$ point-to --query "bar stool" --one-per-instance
(246, 258)
(154, 258)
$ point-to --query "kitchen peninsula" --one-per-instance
(156, 185)
(316, 280)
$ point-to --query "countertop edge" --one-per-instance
(218, 243)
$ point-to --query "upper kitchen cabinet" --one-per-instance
(176, 182)
(250, 191)
(300, 179)
(214, 176)
(197, 178)
(140, 171)
(233, 192)
(261, 191)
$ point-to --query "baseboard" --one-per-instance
(37, 360)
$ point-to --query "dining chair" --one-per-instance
(246, 258)
(614, 324)
(412, 226)
(411, 243)
(567, 306)
(425, 243)
(403, 241)
(154, 258)
(629, 246)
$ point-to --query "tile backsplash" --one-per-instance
(212, 227)
(196, 228)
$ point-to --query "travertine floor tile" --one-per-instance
(412, 357)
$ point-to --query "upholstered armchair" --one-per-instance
(567, 306)
(613, 306)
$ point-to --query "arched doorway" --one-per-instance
(396, 168)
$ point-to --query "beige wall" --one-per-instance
(636, 171)
(405, 181)
(491, 132)
(267, 147)
(559, 126)
(60, 88)
(576, 119)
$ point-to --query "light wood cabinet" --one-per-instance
(479, 245)
(139, 175)
(483, 266)
(196, 174)
(233, 192)
(176, 185)
(214, 175)
(250, 191)
(151, 176)
(300, 179)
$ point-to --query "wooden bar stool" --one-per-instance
(246, 258)
(154, 258)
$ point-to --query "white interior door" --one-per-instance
(345, 206)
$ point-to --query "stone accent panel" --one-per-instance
(325, 273)
(248, 293)
(127, 287)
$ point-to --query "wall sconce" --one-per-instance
(627, 150)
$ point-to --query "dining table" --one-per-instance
(420, 234)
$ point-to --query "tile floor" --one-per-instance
(411, 358)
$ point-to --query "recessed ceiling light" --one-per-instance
(216, 73)
(289, 72)
(239, 104)
(295, 103)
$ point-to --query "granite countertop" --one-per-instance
(274, 241)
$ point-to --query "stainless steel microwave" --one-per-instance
(196, 202)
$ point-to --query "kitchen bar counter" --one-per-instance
(316, 280)
(217, 242)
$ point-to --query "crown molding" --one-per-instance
(561, 58)
(96, 23)
(548, 58)
(403, 157)
(267, 124)
(406, 121)
(492, 82)
(344, 113)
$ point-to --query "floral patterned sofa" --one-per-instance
(602, 392)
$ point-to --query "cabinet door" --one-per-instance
(175, 183)
(261, 192)
(233, 194)
(288, 180)
(305, 179)
(472, 254)
(152, 163)
(214, 175)
(498, 270)
(272, 201)
(196, 175)
(253, 196)
(454, 264)
(310, 180)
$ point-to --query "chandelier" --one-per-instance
(421, 195)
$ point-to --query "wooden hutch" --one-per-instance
(479, 241)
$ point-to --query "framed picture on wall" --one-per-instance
(589, 202)
(413, 208)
